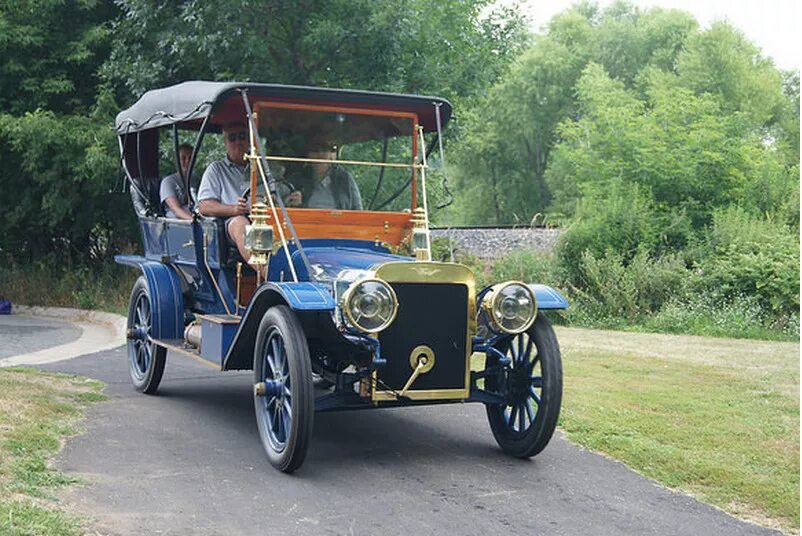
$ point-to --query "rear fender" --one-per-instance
(305, 299)
(166, 297)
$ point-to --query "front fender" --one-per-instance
(548, 298)
(166, 296)
(303, 298)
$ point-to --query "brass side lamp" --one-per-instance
(259, 234)
(420, 235)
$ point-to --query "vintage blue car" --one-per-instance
(337, 308)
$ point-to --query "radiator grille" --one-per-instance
(432, 314)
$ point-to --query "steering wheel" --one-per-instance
(291, 188)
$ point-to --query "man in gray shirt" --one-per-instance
(171, 192)
(223, 184)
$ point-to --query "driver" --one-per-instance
(222, 186)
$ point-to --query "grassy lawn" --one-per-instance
(716, 418)
(36, 412)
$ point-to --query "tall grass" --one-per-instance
(105, 287)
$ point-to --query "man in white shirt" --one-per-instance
(223, 185)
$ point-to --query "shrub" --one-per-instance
(530, 267)
(755, 257)
(619, 219)
(704, 314)
(610, 286)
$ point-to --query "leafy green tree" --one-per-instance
(57, 174)
(522, 112)
(451, 47)
(49, 52)
(722, 62)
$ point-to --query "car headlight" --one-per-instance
(511, 306)
(370, 305)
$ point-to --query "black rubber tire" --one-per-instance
(287, 455)
(534, 438)
(146, 360)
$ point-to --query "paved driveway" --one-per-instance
(189, 461)
(24, 334)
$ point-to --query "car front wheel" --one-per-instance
(532, 386)
(283, 390)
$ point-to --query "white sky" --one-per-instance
(773, 25)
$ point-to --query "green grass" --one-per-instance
(720, 421)
(37, 411)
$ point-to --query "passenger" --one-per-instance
(171, 192)
(327, 185)
(223, 184)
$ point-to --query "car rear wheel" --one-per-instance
(283, 391)
(145, 358)
(532, 387)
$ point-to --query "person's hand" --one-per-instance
(241, 208)
(294, 199)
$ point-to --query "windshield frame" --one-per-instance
(413, 165)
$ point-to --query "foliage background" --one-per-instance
(668, 153)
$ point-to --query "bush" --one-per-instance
(611, 287)
(619, 219)
(530, 267)
(703, 314)
(755, 257)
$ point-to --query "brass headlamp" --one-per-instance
(510, 307)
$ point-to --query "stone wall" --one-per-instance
(493, 242)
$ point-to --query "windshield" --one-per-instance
(335, 158)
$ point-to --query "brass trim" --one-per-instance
(347, 310)
(433, 272)
(239, 286)
(432, 394)
(417, 351)
(329, 161)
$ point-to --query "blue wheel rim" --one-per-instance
(525, 384)
(276, 407)
(141, 354)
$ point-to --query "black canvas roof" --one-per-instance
(188, 103)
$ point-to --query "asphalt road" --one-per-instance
(189, 461)
(24, 334)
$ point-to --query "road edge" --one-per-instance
(99, 331)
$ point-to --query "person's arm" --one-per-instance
(213, 207)
(175, 206)
(209, 203)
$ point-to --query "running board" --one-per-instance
(177, 345)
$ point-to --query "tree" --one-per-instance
(450, 48)
(522, 111)
(49, 52)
